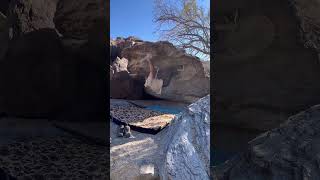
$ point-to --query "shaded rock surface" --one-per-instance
(45, 74)
(125, 86)
(75, 19)
(4, 4)
(184, 77)
(308, 14)
(4, 35)
(27, 16)
(291, 151)
(31, 74)
(276, 76)
(179, 151)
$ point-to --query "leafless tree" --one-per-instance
(184, 23)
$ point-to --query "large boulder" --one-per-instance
(29, 15)
(186, 144)
(291, 151)
(268, 74)
(31, 74)
(184, 77)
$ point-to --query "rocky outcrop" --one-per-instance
(119, 44)
(183, 76)
(187, 144)
(27, 16)
(291, 151)
(260, 83)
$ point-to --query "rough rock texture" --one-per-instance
(187, 144)
(180, 151)
(29, 15)
(260, 83)
(31, 75)
(184, 77)
(75, 19)
(120, 65)
(309, 16)
(291, 151)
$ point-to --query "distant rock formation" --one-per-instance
(185, 78)
(291, 151)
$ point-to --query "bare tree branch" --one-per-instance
(185, 24)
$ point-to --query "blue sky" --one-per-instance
(134, 18)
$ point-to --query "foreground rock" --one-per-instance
(187, 144)
(180, 151)
(291, 151)
(260, 83)
(183, 77)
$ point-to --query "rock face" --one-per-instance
(184, 78)
(260, 83)
(187, 144)
(122, 84)
(27, 16)
(40, 62)
(291, 151)
(31, 74)
(74, 19)
(120, 65)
